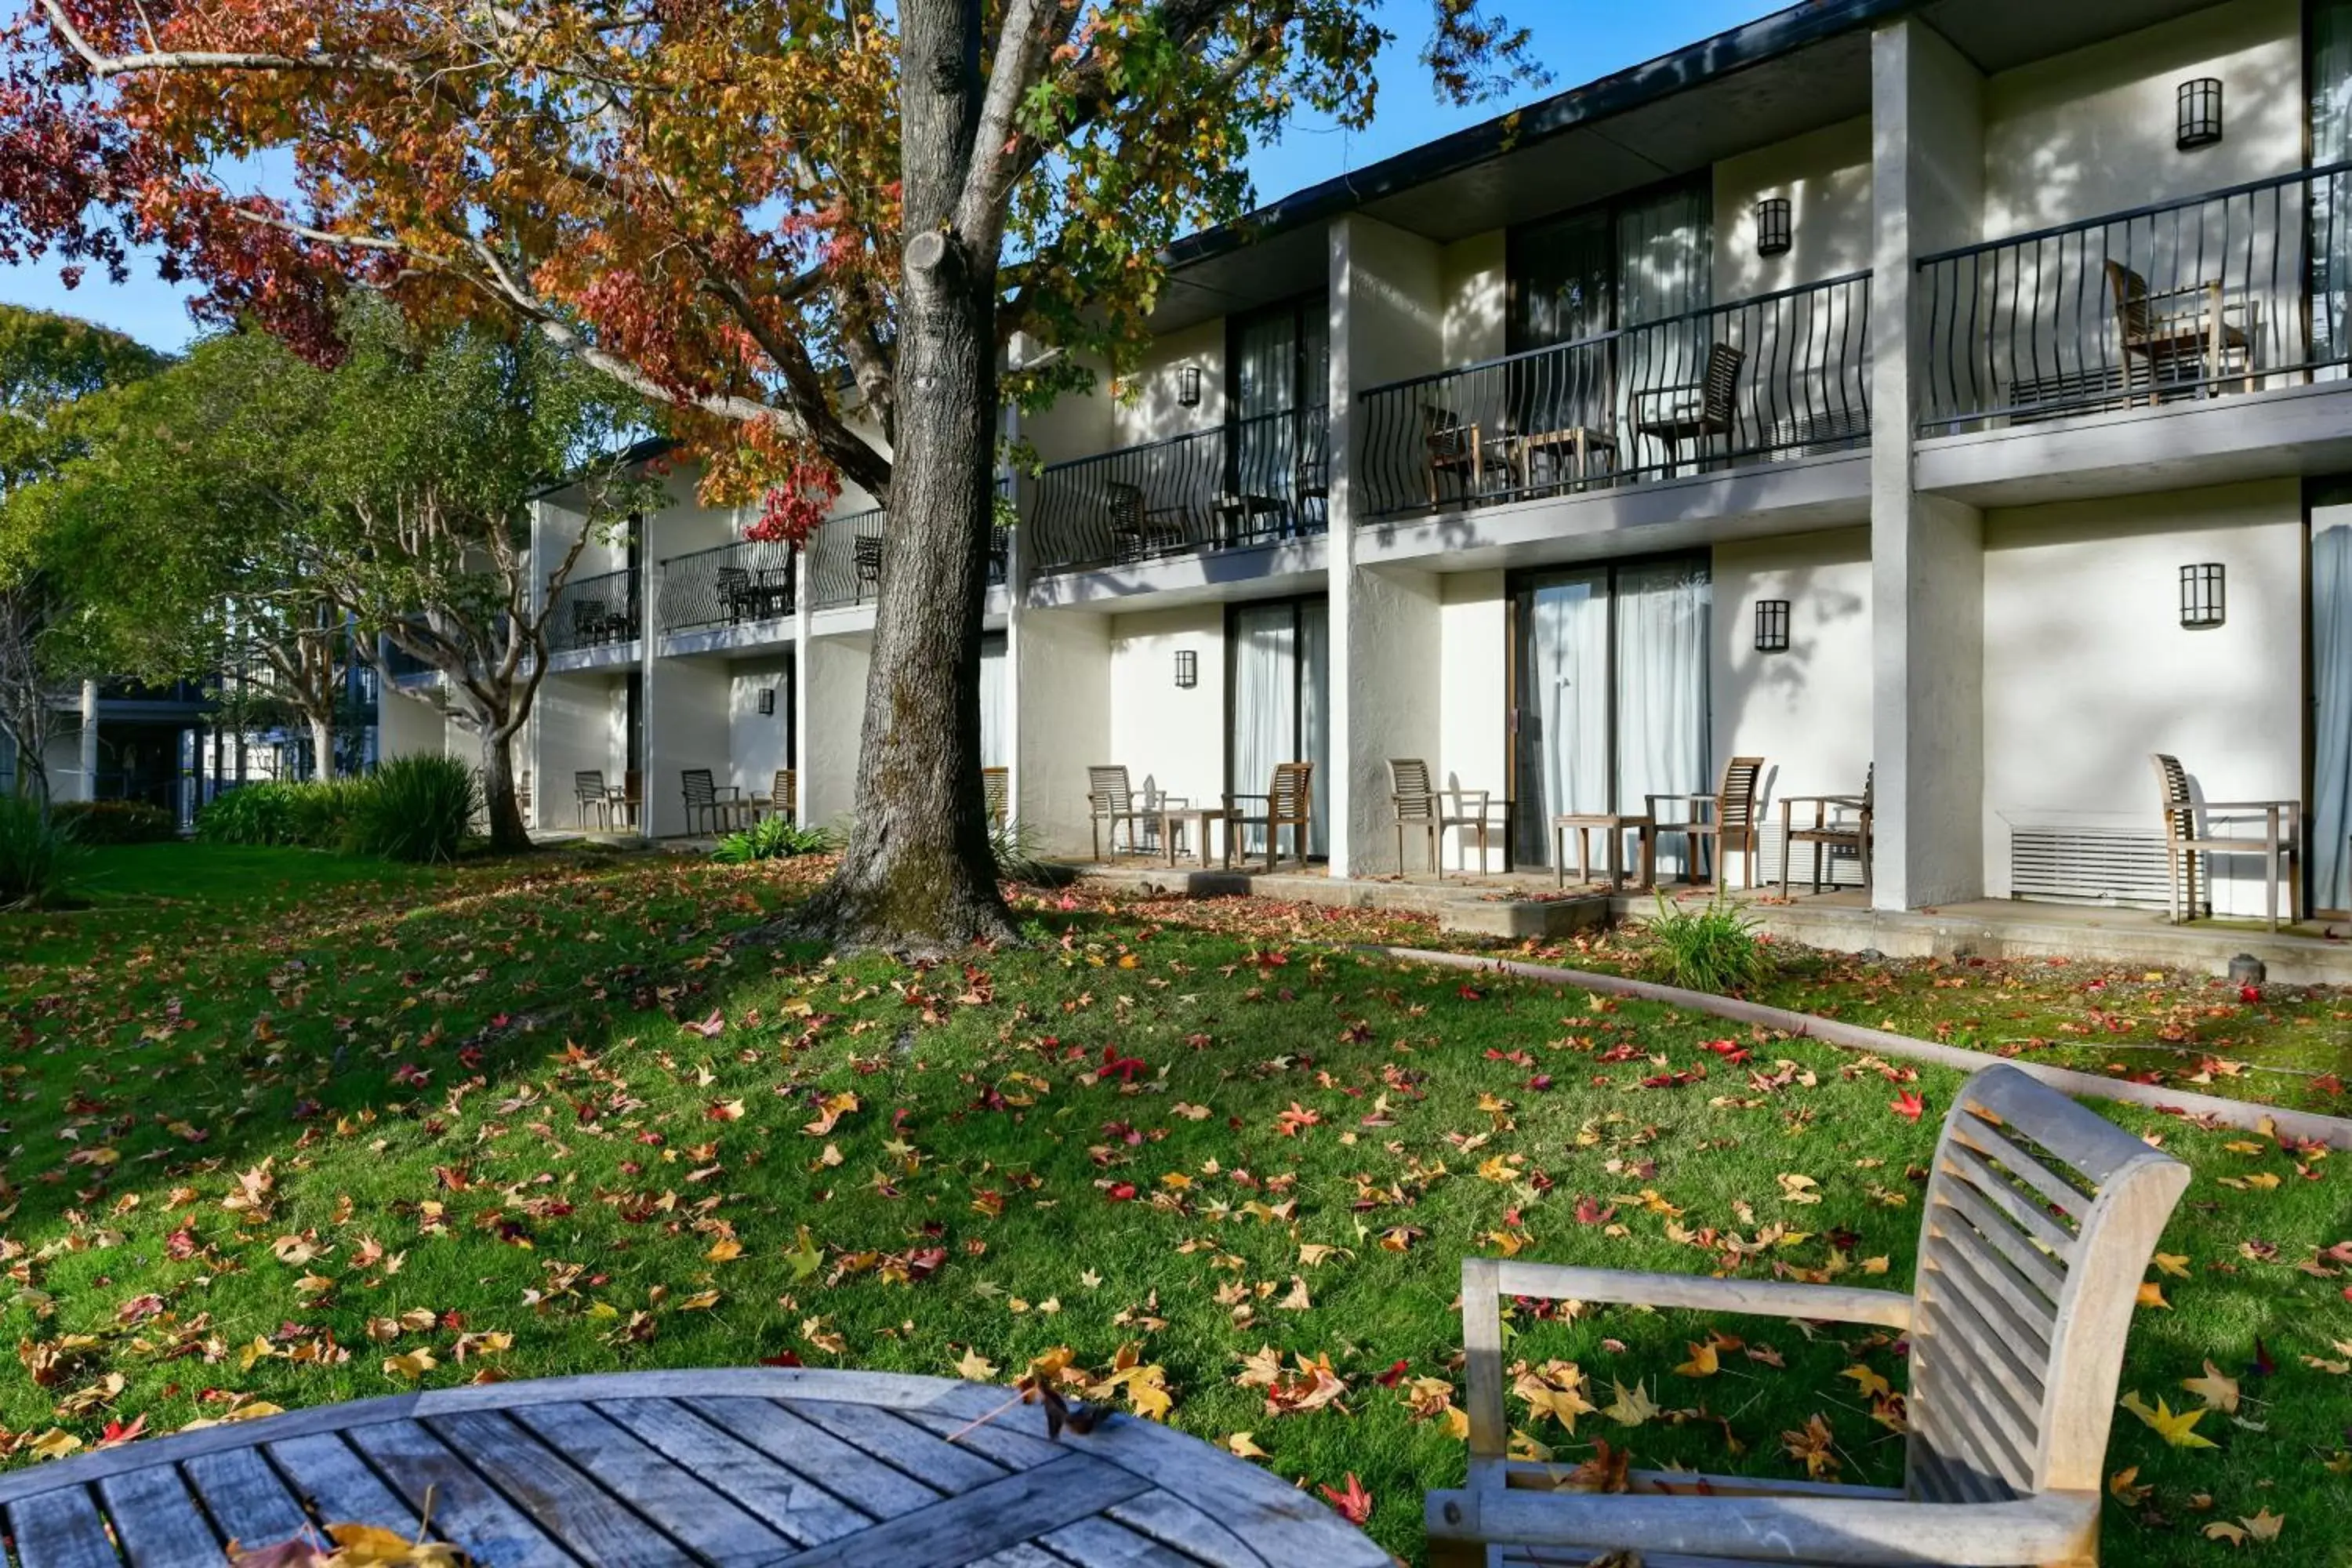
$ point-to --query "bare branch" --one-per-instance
(105, 67)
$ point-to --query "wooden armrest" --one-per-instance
(2051, 1527)
(2249, 805)
(1698, 1292)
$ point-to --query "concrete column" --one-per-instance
(1926, 553)
(834, 671)
(87, 750)
(1061, 678)
(1387, 322)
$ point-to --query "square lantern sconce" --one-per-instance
(1772, 227)
(767, 701)
(2200, 113)
(2202, 600)
(1188, 669)
(1188, 386)
(1771, 626)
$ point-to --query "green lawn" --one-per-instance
(285, 1129)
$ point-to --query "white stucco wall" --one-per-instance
(2092, 131)
(406, 727)
(2087, 668)
(1169, 738)
(1475, 299)
(1062, 697)
(686, 726)
(1825, 176)
(1394, 694)
(1805, 711)
(578, 722)
(1474, 683)
(1150, 405)
(832, 725)
(760, 742)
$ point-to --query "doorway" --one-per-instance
(1278, 704)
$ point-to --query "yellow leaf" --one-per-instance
(1702, 1362)
(2173, 1263)
(1297, 1301)
(2151, 1294)
(726, 1249)
(2125, 1493)
(1866, 1379)
(2219, 1392)
(411, 1366)
(2263, 1526)
(1633, 1406)
(55, 1443)
(2222, 1530)
(1796, 1189)
(1240, 1446)
(2180, 1430)
(975, 1368)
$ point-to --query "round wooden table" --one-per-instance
(784, 1466)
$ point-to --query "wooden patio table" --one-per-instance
(745, 1466)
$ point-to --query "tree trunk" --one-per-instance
(322, 742)
(507, 834)
(918, 875)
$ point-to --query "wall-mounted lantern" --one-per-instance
(2200, 113)
(1773, 225)
(767, 701)
(1188, 669)
(2202, 603)
(1188, 386)
(1771, 626)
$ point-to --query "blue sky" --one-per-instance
(1579, 40)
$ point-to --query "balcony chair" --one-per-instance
(719, 808)
(1727, 817)
(1840, 822)
(1419, 803)
(589, 794)
(1452, 444)
(1288, 801)
(594, 621)
(1694, 410)
(2184, 842)
(866, 552)
(1142, 531)
(1000, 553)
(737, 597)
(2039, 1218)
(1112, 800)
(2173, 325)
(996, 793)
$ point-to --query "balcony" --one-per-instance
(589, 613)
(1770, 378)
(845, 560)
(1250, 482)
(747, 582)
(2237, 290)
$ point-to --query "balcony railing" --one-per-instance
(845, 560)
(593, 611)
(2235, 290)
(726, 585)
(1253, 481)
(1771, 377)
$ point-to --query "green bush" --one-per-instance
(1712, 948)
(38, 858)
(416, 808)
(115, 821)
(324, 813)
(769, 838)
(313, 815)
(1020, 855)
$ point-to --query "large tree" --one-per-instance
(724, 204)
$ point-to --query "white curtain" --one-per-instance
(2331, 199)
(1666, 264)
(1265, 687)
(2331, 663)
(1661, 689)
(1567, 679)
(995, 738)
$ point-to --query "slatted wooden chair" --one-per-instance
(1694, 410)
(996, 791)
(589, 794)
(1111, 801)
(2040, 1219)
(1419, 803)
(1727, 817)
(716, 807)
(1453, 445)
(866, 552)
(782, 799)
(2164, 327)
(1842, 823)
(2189, 832)
(1288, 802)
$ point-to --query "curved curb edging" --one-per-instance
(2334, 1131)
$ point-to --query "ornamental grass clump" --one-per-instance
(1714, 948)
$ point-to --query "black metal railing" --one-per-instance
(2243, 288)
(726, 585)
(845, 560)
(1771, 377)
(593, 611)
(1249, 482)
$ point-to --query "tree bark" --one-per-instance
(322, 742)
(918, 875)
(507, 834)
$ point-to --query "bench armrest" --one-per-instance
(1698, 1292)
(2051, 1527)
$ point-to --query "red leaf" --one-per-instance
(1395, 1374)
(1907, 1105)
(1120, 1191)
(2250, 993)
(1355, 1504)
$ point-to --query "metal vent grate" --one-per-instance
(2088, 866)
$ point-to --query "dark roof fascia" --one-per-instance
(642, 451)
(1738, 48)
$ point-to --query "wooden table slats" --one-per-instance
(794, 1467)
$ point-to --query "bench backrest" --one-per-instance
(2180, 807)
(699, 789)
(997, 790)
(2041, 1218)
(1720, 387)
(1409, 785)
(1291, 796)
(786, 795)
(1735, 803)
(588, 784)
(1107, 790)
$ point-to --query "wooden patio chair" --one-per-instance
(1452, 444)
(2185, 838)
(1694, 410)
(996, 792)
(1729, 819)
(1110, 799)
(1140, 530)
(1289, 801)
(782, 799)
(1840, 822)
(2039, 1221)
(720, 808)
(1419, 803)
(2171, 325)
(589, 794)
(628, 800)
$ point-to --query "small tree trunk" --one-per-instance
(918, 875)
(322, 742)
(507, 834)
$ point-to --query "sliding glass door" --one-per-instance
(1278, 685)
(1610, 694)
(2331, 690)
(995, 724)
(1278, 379)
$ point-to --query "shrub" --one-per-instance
(115, 822)
(1020, 856)
(315, 815)
(416, 808)
(38, 858)
(769, 838)
(324, 813)
(1712, 948)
